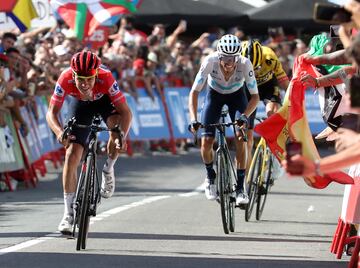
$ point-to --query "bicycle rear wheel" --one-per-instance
(253, 178)
(224, 189)
(84, 217)
(261, 197)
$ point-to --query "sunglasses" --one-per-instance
(228, 59)
(85, 77)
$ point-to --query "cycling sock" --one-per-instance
(240, 179)
(109, 164)
(210, 172)
(68, 200)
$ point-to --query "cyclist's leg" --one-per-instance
(112, 118)
(250, 132)
(237, 103)
(273, 103)
(210, 115)
(79, 110)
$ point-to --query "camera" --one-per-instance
(328, 13)
(334, 31)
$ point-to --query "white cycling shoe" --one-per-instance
(66, 224)
(107, 184)
(210, 190)
(242, 199)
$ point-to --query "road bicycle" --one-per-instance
(259, 179)
(226, 172)
(87, 195)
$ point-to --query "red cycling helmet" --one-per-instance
(85, 63)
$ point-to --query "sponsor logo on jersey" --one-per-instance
(98, 96)
(251, 73)
(59, 91)
(265, 78)
(114, 89)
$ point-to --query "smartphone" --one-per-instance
(354, 89)
(330, 14)
(334, 31)
(293, 148)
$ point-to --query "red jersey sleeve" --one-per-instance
(114, 92)
(59, 93)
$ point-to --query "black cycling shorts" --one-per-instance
(214, 101)
(84, 112)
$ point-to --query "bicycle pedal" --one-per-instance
(241, 206)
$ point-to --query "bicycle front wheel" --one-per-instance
(224, 189)
(84, 218)
(261, 197)
(253, 181)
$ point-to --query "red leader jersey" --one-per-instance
(105, 84)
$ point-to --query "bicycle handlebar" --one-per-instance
(94, 127)
(220, 126)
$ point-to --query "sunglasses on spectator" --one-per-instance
(228, 59)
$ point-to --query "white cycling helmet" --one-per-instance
(229, 45)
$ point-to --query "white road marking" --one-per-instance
(197, 191)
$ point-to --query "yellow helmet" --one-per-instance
(252, 50)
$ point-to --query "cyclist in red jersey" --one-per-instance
(91, 90)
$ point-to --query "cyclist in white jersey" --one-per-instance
(226, 73)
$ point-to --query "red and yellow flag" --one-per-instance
(290, 123)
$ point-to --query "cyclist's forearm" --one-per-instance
(126, 118)
(254, 100)
(193, 102)
(53, 121)
(284, 83)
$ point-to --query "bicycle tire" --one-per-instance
(231, 189)
(78, 198)
(224, 196)
(261, 198)
(252, 187)
(84, 209)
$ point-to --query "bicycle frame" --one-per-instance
(261, 145)
(222, 146)
(88, 186)
(258, 179)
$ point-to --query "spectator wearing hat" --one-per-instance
(151, 80)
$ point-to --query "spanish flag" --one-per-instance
(22, 14)
(290, 124)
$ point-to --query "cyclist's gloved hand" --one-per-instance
(194, 125)
(243, 120)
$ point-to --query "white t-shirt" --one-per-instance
(210, 71)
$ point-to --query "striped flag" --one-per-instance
(84, 16)
(22, 13)
(290, 123)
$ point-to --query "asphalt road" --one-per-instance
(159, 217)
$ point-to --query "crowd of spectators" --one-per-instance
(30, 62)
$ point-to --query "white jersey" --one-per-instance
(210, 71)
